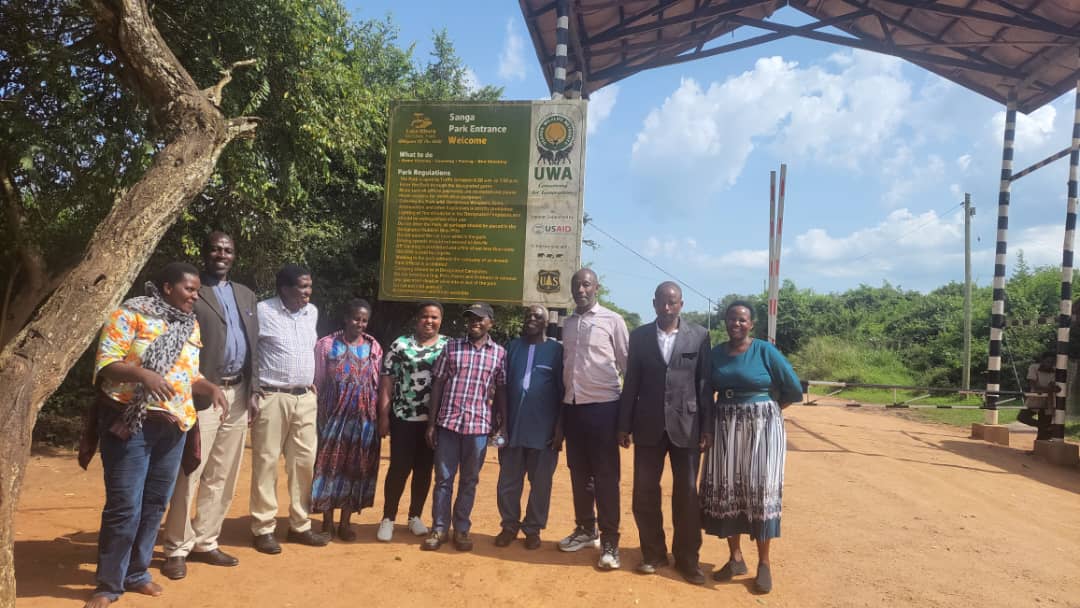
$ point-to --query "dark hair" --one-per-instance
(747, 305)
(172, 273)
(356, 304)
(289, 276)
(213, 236)
(426, 303)
(666, 285)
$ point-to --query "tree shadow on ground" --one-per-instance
(70, 558)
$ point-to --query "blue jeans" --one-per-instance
(455, 451)
(514, 465)
(139, 477)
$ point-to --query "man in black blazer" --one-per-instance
(229, 325)
(667, 406)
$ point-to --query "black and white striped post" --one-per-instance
(1061, 374)
(562, 36)
(558, 91)
(997, 309)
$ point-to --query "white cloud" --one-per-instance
(964, 162)
(512, 57)
(701, 137)
(686, 251)
(472, 81)
(1032, 130)
(600, 105)
(903, 244)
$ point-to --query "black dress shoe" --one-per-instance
(266, 543)
(692, 574)
(174, 568)
(308, 537)
(214, 557)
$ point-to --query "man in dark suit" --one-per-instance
(227, 316)
(666, 405)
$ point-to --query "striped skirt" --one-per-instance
(742, 480)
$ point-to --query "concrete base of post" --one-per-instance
(1058, 452)
(994, 433)
(990, 416)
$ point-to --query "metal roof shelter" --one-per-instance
(1021, 53)
(988, 46)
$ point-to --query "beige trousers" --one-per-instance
(222, 452)
(286, 424)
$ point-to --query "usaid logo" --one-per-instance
(552, 228)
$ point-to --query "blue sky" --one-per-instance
(879, 154)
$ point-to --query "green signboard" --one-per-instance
(483, 201)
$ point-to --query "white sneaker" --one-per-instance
(386, 530)
(579, 539)
(609, 560)
(417, 527)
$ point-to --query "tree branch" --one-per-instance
(242, 127)
(214, 92)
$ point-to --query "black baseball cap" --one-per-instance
(479, 309)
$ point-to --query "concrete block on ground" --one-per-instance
(1058, 452)
(994, 433)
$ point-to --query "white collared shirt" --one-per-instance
(286, 344)
(595, 346)
(666, 342)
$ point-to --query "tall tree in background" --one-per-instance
(108, 141)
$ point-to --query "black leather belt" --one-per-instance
(288, 390)
(227, 381)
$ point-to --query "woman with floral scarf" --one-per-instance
(147, 367)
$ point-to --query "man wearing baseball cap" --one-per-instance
(461, 420)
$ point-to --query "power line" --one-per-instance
(592, 223)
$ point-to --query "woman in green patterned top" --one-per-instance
(404, 393)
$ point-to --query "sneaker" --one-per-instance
(417, 527)
(579, 539)
(505, 537)
(609, 559)
(386, 530)
(434, 540)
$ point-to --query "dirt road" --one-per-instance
(878, 511)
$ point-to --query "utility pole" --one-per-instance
(968, 212)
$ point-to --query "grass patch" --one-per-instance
(965, 418)
(886, 396)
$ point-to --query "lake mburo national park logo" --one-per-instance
(554, 142)
(420, 121)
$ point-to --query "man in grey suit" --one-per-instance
(666, 405)
(229, 324)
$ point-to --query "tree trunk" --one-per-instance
(33, 364)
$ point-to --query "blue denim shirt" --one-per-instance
(235, 343)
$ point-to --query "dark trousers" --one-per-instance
(592, 453)
(685, 514)
(409, 453)
(514, 465)
(140, 474)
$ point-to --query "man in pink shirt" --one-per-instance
(595, 344)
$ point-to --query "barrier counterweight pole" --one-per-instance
(997, 309)
(778, 245)
(562, 36)
(1057, 429)
(772, 257)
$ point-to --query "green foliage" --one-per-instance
(888, 335)
(843, 360)
(307, 189)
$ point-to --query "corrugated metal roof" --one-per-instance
(988, 46)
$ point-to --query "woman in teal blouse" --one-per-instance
(743, 477)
